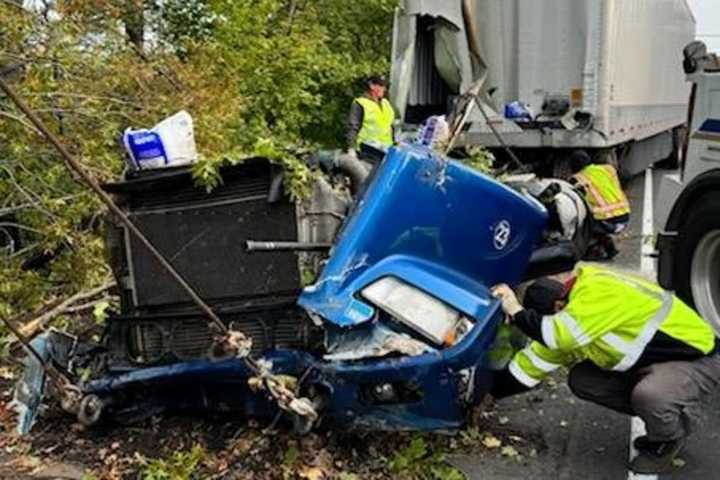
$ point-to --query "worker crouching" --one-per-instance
(631, 346)
(609, 206)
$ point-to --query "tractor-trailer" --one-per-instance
(556, 75)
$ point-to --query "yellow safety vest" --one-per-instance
(603, 191)
(610, 319)
(377, 124)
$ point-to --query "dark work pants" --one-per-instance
(667, 396)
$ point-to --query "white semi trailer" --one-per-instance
(598, 74)
(688, 204)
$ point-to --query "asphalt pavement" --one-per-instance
(561, 437)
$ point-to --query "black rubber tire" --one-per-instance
(703, 216)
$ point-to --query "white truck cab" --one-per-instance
(688, 204)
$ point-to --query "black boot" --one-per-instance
(644, 444)
(655, 457)
(610, 249)
(596, 253)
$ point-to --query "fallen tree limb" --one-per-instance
(87, 305)
(31, 328)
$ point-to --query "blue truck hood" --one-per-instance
(435, 224)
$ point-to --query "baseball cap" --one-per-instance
(542, 295)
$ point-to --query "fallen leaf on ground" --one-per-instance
(26, 462)
(491, 442)
(312, 473)
(678, 462)
(348, 476)
(508, 451)
(503, 420)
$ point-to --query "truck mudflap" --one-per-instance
(429, 391)
(666, 253)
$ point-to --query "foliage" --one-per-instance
(260, 77)
(180, 466)
(420, 461)
(179, 22)
(479, 158)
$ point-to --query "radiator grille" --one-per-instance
(203, 235)
(195, 197)
(191, 339)
(166, 340)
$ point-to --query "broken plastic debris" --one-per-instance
(30, 389)
(379, 341)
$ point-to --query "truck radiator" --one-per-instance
(152, 341)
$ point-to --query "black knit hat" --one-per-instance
(542, 295)
(579, 159)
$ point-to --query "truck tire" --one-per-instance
(696, 273)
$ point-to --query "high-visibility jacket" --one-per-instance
(610, 318)
(377, 126)
(603, 191)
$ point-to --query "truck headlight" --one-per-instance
(416, 309)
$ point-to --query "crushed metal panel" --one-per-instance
(403, 60)
(27, 401)
(432, 55)
(30, 389)
(373, 342)
(450, 11)
(448, 61)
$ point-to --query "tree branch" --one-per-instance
(20, 120)
(34, 326)
(87, 97)
(28, 194)
(87, 305)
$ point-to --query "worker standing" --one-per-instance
(610, 207)
(631, 346)
(371, 117)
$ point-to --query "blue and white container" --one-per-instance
(171, 143)
(434, 133)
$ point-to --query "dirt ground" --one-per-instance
(229, 448)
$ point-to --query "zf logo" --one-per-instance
(501, 235)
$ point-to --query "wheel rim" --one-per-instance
(705, 278)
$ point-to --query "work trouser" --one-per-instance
(668, 397)
(612, 226)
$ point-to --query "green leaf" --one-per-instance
(291, 456)
(100, 311)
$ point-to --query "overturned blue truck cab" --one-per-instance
(393, 333)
